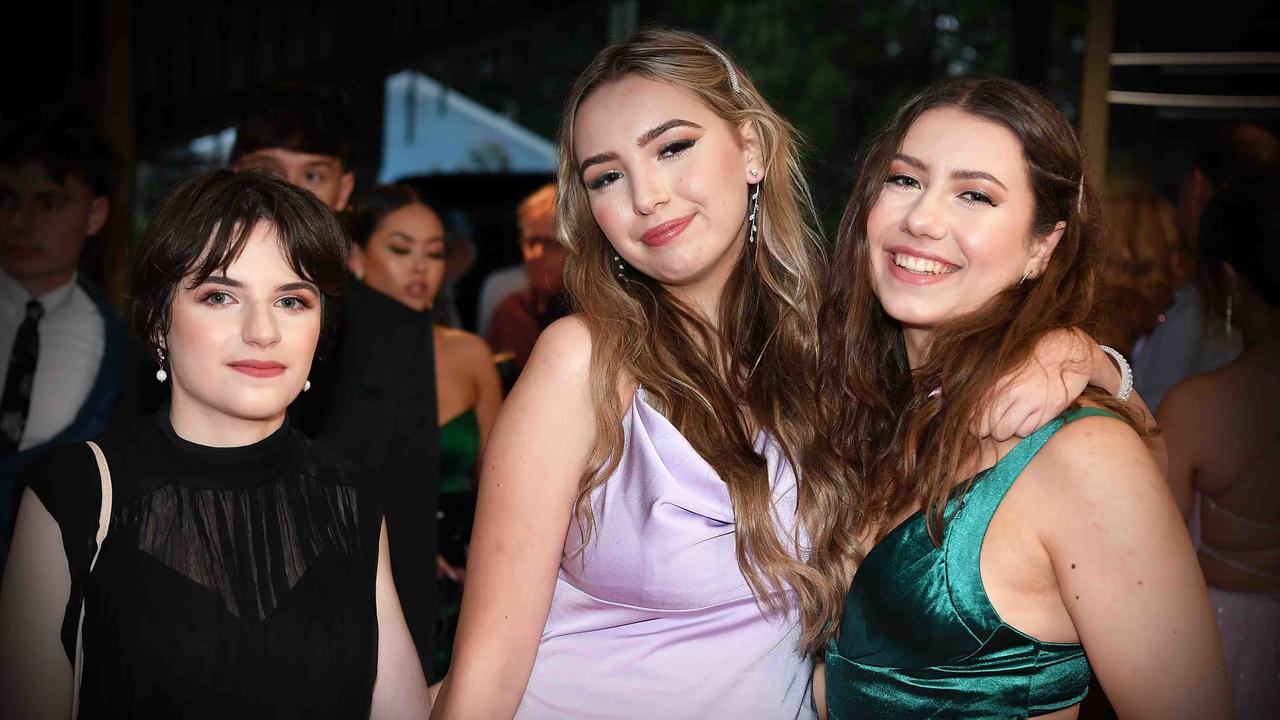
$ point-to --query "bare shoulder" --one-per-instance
(465, 345)
(1098, 468)
(563, 350)
(1193, 395)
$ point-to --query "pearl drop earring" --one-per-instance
(161, 375)
(306, 386)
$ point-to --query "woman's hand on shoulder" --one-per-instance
(1127, 573)
(1062, 365)
(1029, 397)
(536, 456)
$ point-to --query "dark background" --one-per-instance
(158, 74)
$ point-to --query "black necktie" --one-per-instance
(22, 374)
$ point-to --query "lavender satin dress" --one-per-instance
(654, 619)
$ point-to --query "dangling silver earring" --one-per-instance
(306, 386)
(755, 209)
(1228, 316)
(1025, 275)
(621, 273)
(161, 375)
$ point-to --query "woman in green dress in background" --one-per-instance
(400, 252)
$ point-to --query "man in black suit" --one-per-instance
(373, 394)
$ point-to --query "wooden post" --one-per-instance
(119, 127)
(1099, 29)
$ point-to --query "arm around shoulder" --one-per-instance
(536, 455)
(1128, 575)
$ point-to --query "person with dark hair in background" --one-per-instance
(402, 255)
(213, 562)
(1223, 433)
(522, 316)
(1191, 338)
(60, 339)
(374, 396)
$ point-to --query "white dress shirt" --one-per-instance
(72, 342)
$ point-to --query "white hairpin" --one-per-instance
(733, 74)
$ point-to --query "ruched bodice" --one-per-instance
(919, 637)
(653, 617)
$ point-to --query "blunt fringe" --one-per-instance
(201, 226)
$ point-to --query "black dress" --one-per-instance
(234, 582)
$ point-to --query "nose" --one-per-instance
(260, 326)
(924, 218)
(648, 192)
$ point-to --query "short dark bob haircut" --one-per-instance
(201, 226)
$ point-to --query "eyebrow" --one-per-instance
(228, 282)
(645, 138)
(921, 165)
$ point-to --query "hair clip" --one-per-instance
(733, 74)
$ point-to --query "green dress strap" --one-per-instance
(967, 530)
(919, 637)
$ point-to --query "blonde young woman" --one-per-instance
(641, 543)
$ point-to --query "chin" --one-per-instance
(262, 405)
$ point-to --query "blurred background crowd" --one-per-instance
(428, 127)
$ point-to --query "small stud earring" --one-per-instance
(754, 172)
(306, 386)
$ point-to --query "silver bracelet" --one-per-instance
(1126, 373)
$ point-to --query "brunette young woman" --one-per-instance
(642, 548)
(972, 234)
(214, 562)
(402, 255)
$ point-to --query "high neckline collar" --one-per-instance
(226, 467)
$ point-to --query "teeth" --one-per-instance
(921, 265)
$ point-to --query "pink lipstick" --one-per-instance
(258, 368)
(666, 232)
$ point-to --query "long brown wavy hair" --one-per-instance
(902, 448)
(718, 384)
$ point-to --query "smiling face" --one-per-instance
(667, 180)
(404, 258)
(952, 226)
(240, 344)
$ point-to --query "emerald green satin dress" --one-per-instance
(919, 637)
(459, 449)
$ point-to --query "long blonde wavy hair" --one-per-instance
(717, 384)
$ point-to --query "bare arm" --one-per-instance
(820, 689)
(488, 391)
(1064, 363)
(35, 675)
(539, 448)
(400, 690)
(1128, 576)
(1180, 417)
